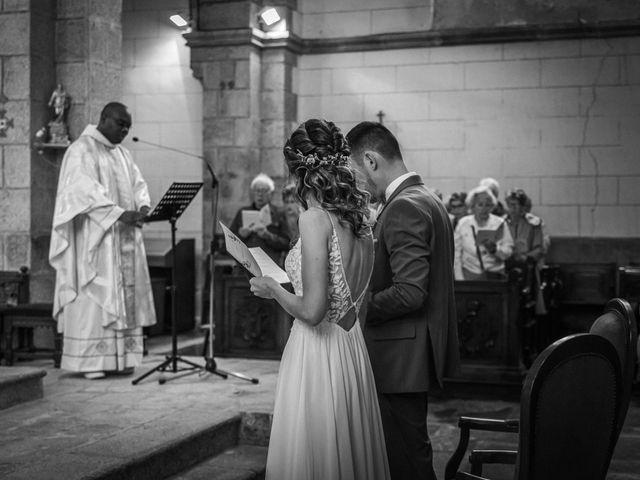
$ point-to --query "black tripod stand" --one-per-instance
(210, 365)
(170, 207)
(207, 350)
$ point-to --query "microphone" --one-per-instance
(214, 180)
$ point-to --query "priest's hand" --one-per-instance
(144, 210)
(132, 218)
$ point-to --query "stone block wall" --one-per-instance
(558, 118)
(166, 104)
(337, 18)
(88, 38)
(14, 137)
(26, 65)
(165, 101)
(42, 43)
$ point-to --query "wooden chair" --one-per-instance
(618, 325)
(569, 414)
(19, 318)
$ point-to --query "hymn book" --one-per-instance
(262, 216)
(254, 260)
(482, 235)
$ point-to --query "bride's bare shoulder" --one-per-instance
(315, 219)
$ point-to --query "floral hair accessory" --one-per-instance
(313, 160)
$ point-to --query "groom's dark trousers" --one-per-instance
(406, 436)
(411, 329)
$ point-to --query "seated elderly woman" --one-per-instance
(525, 228)
(492, 183)
(525, 263)
(482, 240)
(262, 224)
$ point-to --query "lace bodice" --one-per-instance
(341, 300)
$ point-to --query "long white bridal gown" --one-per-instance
(326, 421)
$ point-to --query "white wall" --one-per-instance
(560, 119)
(166, 105)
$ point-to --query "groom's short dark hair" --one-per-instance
(374, 136)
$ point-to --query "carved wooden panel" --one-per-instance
(587, 283)
(246, 325)
(488, 330)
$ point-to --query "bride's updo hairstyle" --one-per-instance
(317, 155)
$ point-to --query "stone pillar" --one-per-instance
(27, 66)
(44, 42)
(89, 57)
(249, 106)
(278, 107)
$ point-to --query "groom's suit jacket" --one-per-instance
(411, 328)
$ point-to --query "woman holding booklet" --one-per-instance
(262, 224)
(482, 240)
(326, 421)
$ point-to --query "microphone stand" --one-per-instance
(210, 362)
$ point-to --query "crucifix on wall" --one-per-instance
(380, 115)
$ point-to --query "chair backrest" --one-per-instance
(568, 411)
(618, 325)
(14, 287)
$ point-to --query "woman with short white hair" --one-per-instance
(482, 240)
(267, 229)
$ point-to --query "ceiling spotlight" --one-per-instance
(270, 16)
(178, 20)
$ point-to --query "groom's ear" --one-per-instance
(371, 160)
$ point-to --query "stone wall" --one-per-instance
(249, 107)
(339, 18)
(89, 57)
(42, 43)
(558, 119)
(165, 101)
(555, 117)
(26, 58)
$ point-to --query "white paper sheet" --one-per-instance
(255, 260)
(268, 267)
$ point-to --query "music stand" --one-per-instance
(171, 206)
(207, 350)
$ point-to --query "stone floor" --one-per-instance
(75, 429)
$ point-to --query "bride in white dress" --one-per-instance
(326, 420)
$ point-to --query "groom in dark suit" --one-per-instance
(411, 329)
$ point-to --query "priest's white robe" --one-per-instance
(103, 293)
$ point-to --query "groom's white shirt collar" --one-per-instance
(393, 186)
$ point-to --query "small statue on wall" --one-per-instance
(60, 101)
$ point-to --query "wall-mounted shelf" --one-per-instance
(41, 147)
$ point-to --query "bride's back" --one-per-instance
(350, 266)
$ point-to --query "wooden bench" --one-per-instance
(19, 318)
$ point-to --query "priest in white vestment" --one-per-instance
(103, 294)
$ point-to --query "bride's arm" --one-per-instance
(315, 232)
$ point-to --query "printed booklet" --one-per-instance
(254, 260)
